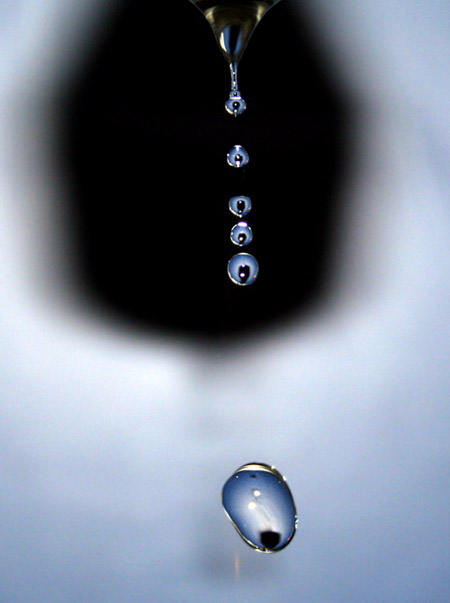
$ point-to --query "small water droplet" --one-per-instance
(241, 234)
(240, 206)
(235, 105)
(260, 506)
(243, 269)
(238, 156)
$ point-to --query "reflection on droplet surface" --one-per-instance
(241, 234)
(257, 500)
(238, 156)
(243, 269)
(233, 22)
(235, 105)
(240, 206)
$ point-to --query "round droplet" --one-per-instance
(235, 105)
(241, 234)
(238, 156)
(240, 206)
(257, 500)
(243, 269)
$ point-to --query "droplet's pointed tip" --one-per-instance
(233, 23)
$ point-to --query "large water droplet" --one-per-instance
(257, 500)
(241, 234)
(233, 22)
(237, 156)
(240, 206)
(243, 269)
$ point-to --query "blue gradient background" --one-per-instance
(114, 447)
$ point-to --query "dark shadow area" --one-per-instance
(270, 540)
(144, 137)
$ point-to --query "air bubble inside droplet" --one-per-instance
(240, 206)
(257, 500)
(243, 269)
(241, 234)
(237, 156)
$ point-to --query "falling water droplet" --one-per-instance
(243, 269)
(241, 234)
(235, 105)
(233, 22)
(237, 156)
(240, 206)
(257, 500)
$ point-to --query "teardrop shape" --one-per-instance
(233, 22)
(258, 502)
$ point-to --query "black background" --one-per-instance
(144, 137)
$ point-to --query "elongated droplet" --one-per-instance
(257, 500)
(237, 156)
(241, 234)
(240, 206)
(235, 105)
(243, 269)
(233, 22)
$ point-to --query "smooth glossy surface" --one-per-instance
(241, 234)
(233, 22)
(237, 156)
(257, 500)
(243, 269)
(235, 105)
(240, 206)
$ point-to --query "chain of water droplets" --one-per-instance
(243, 268)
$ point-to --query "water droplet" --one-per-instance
(233, 22)
(235, 105)
(238, 156)
(240, 206)
(241, 234)
(243, 269)
(257, 500)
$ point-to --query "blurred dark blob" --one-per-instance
(145, 137)
(270, 539)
